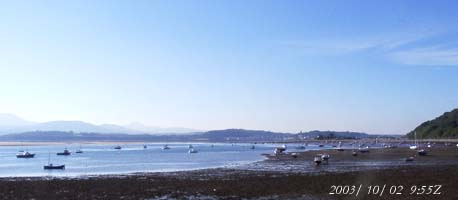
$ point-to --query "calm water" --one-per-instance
(103, 159)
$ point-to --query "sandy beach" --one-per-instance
(277, 177)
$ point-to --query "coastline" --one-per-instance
(276, 177)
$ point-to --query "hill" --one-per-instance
(444, 126)
(333, 135)
(241, 135)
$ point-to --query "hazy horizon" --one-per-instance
(372, 67)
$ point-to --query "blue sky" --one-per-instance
(378, 66)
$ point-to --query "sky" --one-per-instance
(380, 67)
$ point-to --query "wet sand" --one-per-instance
(278, 177)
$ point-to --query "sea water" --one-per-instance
(104, 159)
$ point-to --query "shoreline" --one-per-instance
(276, 177)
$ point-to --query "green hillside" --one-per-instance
(444, 126)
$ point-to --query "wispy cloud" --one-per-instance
(432, 56)
(351, 45)
(408, 49)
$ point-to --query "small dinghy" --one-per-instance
(117, 147)
(409, 159)
(354, 153)
(79, 150)
(192, 151)
(165, 147)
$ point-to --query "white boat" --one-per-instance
(339, 147)
(317, 159)
(354, 153)
(422, 152)
(364, 150)
(279, 150)
(414, 147)
(192, 150)
(325, 157)
(25, 154)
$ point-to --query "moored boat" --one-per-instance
(317, 160)
(64, 153)
(165, 147)
(192, 151)
(339, 147)
(422, 152)
(79, 150)
(364, 150)
(409, 159)
(25, 154)
(279, 150)
(51, 166)
(325, 157)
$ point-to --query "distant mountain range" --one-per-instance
(444, 126)
(13, 128)
(13, 124)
